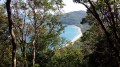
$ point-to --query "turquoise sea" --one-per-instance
(71, 32)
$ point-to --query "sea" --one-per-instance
(71, 32)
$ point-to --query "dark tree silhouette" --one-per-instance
(11, 32)
(111, 18)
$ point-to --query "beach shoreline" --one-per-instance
(75, 39)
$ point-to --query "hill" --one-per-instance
(74, 18)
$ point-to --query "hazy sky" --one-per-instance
(70, 6)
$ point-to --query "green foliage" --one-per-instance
(37, 17)
(88, 19)
(92, 50)
(67, 57)
(5, 46)
(96, 48)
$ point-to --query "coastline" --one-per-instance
(76, 38)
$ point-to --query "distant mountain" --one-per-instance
(74, 18)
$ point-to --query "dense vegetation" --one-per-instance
(28, 29)
(72, 18)
(101, 42)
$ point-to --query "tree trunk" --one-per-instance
(34, 40)
(24, 55)
(33, 60)
(14, 55)
(11, 32)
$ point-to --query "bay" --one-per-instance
(71, 33)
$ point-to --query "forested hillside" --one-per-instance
(75, 18)
(29, 28)
(72, 18)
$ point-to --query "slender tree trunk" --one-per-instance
(24, 43)
(33, 60)
(14, 56)
(11, 32)
(24, 55)
(35, 34)
(34, 40)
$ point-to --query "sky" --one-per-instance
(71, 6)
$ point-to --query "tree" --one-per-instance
(12, 34)
(32, 22)
(70, 56)
(40, 10)
(107, 15)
